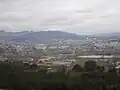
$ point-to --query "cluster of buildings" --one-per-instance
(49, 63)
(61, 52)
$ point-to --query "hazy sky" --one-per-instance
(78, 16)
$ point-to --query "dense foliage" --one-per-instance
(13, 76)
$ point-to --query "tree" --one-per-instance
(90, 65)
(1, 50)
(77, 68)
(100, 68)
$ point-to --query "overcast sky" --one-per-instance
(78, 16)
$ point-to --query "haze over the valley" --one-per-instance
(76, 16)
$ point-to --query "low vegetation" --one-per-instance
(12, 76)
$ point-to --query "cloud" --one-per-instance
(70, 15)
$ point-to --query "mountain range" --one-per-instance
(46, 37)
(36, 37)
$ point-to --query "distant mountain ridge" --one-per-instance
(37, 37)
(109, 36)
(45, 37)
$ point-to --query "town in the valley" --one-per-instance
(62, 53)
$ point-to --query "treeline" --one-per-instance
(13, 77)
